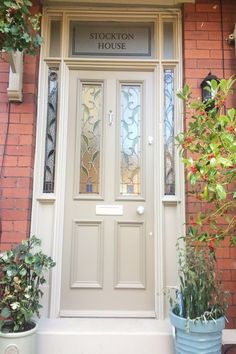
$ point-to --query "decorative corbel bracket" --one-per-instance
(14, 90)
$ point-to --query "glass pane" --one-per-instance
(55, 39)
(169, 132)
(168, 40)
(130, 139)
(91, 121)
(111, 39)
(50, 143)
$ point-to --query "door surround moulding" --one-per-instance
(54, 202)
(67, 66)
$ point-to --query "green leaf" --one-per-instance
(221, 191)
(29, 259)
(213, 162)
(206, 192)
(5, 312)
(193, 179)
(231, 113)
(214, 84)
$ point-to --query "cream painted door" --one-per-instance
(108, 250)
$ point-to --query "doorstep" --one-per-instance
(229, 341)
(104, 336)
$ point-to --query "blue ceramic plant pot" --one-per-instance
(196, 337)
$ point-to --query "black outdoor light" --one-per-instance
(205, 86)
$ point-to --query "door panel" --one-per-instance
(108, 266)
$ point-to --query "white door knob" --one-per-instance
(140, 210)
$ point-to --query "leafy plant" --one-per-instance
(19, 30)
(200, 295)
(208, 148)
(22, 272)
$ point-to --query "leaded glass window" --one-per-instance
(169, 132)
(130, 139)
(90, 137)
(50, 144)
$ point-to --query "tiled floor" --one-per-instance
(229, 349)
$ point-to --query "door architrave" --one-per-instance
(56, 200)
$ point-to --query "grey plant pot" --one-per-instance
(18, 343)
(196, 337)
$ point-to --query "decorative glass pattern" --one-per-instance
(91, 120)
(50, 144)
(169, 132)
(130, 139)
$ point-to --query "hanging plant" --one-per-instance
(19, 29)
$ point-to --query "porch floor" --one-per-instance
(104, 336)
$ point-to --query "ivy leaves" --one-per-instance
(18, 28)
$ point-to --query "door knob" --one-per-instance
(140, 210)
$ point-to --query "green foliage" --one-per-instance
(19, 30)
(22, 272)
(208, 149)
(201, 296)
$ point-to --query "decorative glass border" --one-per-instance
(50, 139)
(131, 149)
(169, 133)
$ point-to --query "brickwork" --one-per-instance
(206, 26)
(17, 143)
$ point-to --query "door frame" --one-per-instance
(48, 210)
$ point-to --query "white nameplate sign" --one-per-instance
(109, 209)
(111, 39)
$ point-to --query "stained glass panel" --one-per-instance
(130, 139)
(91, 120)
(169, 132)
(50, 144)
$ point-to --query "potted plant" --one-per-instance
(208, 149)
(22, 275)
(19, 29)
(198, 311)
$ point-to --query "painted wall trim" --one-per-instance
(48, 211)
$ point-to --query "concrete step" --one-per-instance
(104, 336)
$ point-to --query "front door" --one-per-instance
(108, 249)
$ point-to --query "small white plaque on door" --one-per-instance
(109, 209)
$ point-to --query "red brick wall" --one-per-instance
(17, 143)
(205, 24)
